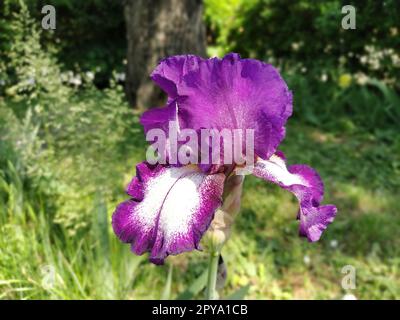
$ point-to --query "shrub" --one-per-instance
(61, 139)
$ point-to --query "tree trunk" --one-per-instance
(157, 29)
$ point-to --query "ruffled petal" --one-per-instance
(228, 93)
(305, 183)
(170, 209)
(234, 93)
(168, 75)
(170, 72)
(159, 118)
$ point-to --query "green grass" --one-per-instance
(66, 155)
(360, 172)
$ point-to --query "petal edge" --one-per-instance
(306, 184)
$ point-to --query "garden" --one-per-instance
(70, 141)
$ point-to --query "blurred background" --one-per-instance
(70, 100)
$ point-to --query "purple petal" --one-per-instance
(159, 118)
(235, 93)
(170, 71)
(305, 183)
(228, 93)
(167, 75)
(171, 209)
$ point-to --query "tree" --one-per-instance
(157, 29)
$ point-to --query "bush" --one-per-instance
(90, 35)
(307, 35)
(62, 137)
(343, 79)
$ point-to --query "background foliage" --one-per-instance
(69, 143)
(90, 34)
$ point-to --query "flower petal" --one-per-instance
(305, 183)
(170, 71)
(167, 75)
(159, 118)
(228, 93)
(234, 93)
(170, 210)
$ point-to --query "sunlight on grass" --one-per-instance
(67, 152)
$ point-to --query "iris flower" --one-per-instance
(172, 206)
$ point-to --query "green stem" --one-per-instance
(212, 293)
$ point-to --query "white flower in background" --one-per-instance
(38, 109)
(375, 65)
(76, 80)
(349, 296)
(295, 46)
(394, 31)
(361, 78)
(363, 59)
(2, 82)
(395, 59)
(334, 243)
(388, 51)
(67, 76)
(369, 48)
(374, 56)
(324, 77)
(307, 260)
(90, 75)
(120, 76)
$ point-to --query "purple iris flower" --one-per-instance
(172, 206)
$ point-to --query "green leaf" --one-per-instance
(239, 294)
(167, 289)
(198, 285)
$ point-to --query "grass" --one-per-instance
(40, 260)
(66, 155)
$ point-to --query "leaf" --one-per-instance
(198, 285)
(11, 281)
(167, 289)
(239, 294)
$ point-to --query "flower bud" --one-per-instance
(221, 225)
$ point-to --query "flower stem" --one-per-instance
(212, 293)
